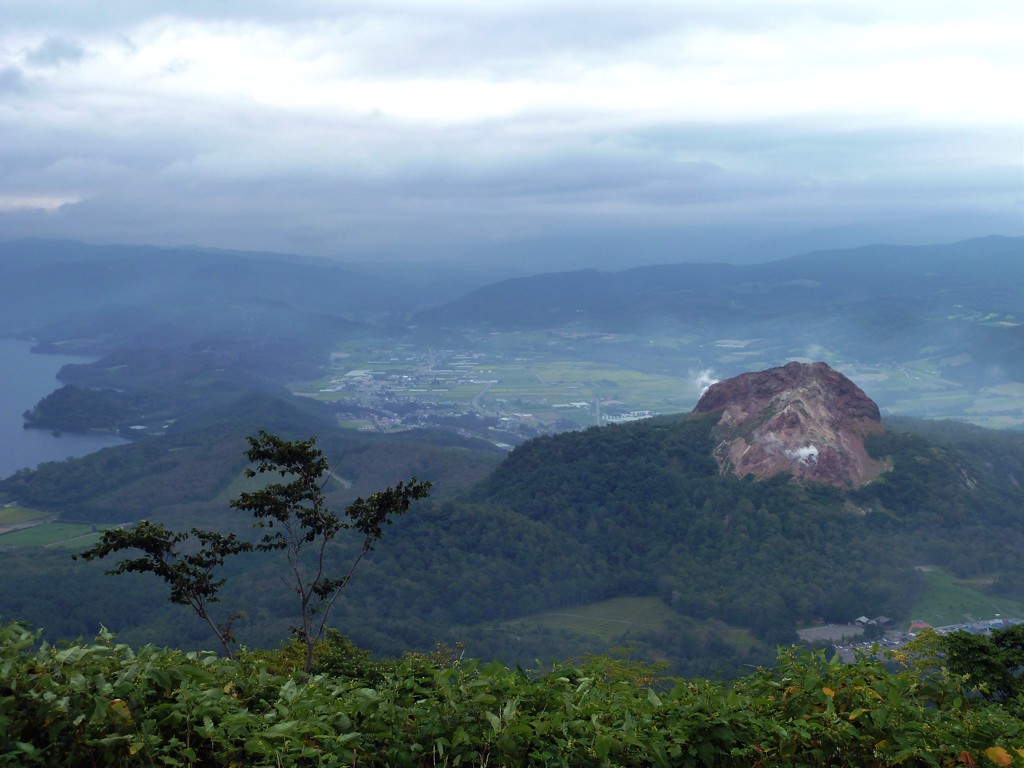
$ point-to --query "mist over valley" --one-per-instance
(435, 378)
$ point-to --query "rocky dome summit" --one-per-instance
(805, 419)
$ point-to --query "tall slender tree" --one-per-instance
(297, 520)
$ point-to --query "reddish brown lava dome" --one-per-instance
(803, 418)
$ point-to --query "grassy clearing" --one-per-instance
(997, 404)
(606, 621)
(949, 600)
(612, 623)
(239, 484)
(15, 515)
(356, 424)
(45, 535)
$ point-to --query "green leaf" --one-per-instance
(278, 730)
(509, 712)
(72, 655)
(603, 745)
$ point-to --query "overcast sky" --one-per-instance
(652, 130)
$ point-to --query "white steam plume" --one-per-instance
(704, 379)
(806, 455)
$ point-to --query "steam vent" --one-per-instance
(805, 419)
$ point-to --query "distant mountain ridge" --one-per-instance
(806, 420)
(990, 267)
(956, 310)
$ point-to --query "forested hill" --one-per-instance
(641, 509)
(637, 510)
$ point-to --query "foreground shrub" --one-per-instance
(103, 704)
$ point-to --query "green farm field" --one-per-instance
(49, 534)
(77, 543)
(949, 600)
(15, 515)
(530, 373)
(533, 377)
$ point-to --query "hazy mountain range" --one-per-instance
(871, 303)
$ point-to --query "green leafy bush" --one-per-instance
(102, 703)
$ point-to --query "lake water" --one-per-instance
(25, 379)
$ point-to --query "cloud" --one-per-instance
(54, 51)
(414, 128)
(11, 79)
(35, 203)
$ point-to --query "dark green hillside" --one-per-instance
(646, 505)
(186, 478)
(76, 409)
(636, 510)
(641, 510)
(997, 450)
(200, 457)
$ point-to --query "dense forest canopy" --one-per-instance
(624, 511)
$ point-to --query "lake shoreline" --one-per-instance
(27, 375)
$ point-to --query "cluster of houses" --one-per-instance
(847, 651)
(428, 389)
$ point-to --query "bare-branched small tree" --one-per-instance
(298, 521)
(295, 518)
